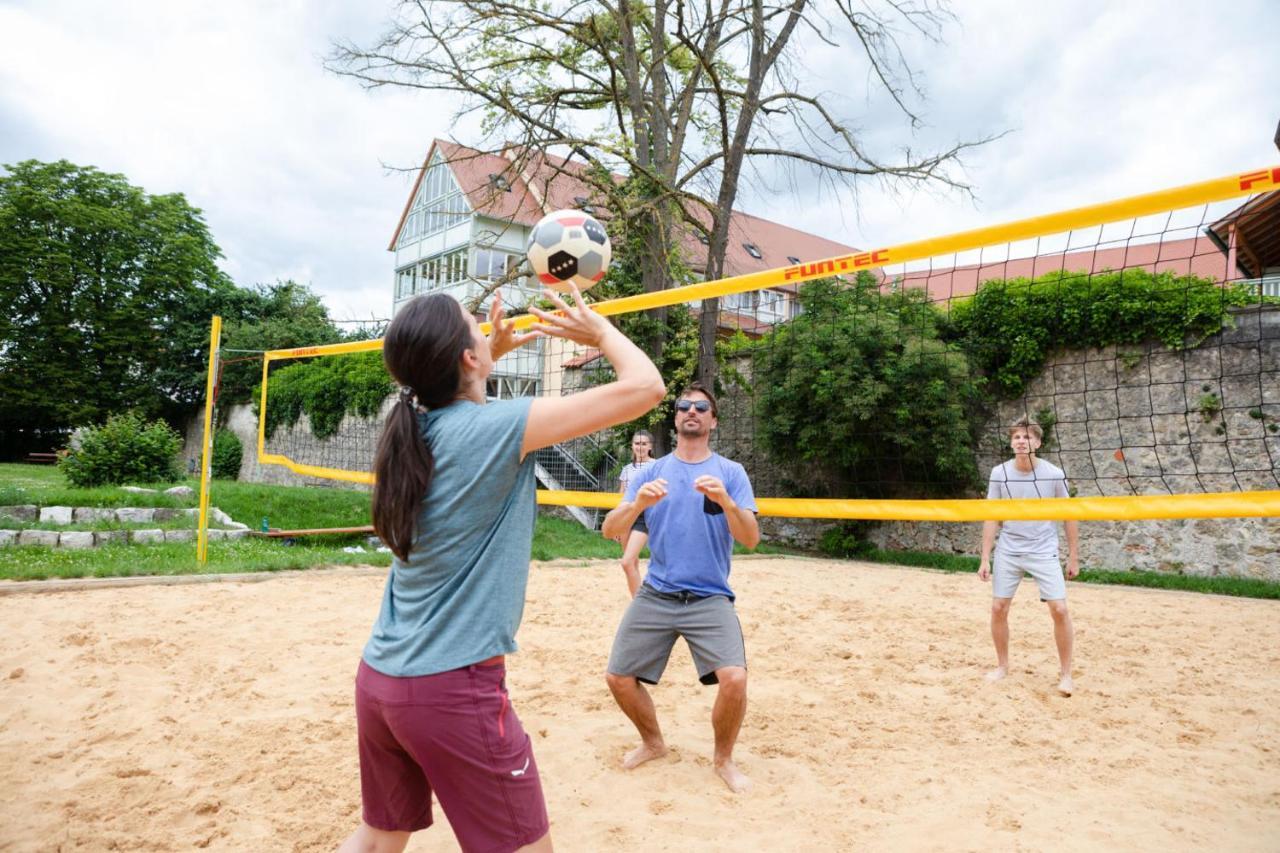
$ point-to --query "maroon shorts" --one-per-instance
(455, 734)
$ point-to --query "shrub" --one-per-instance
(860, 392)
(847, 539)
(126, 449)
(227, 454)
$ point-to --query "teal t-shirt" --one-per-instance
(459, 597)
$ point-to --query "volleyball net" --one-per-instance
(1141, 335)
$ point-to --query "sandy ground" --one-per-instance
(220, 716)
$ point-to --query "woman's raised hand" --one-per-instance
(578, 324)
(502, 335)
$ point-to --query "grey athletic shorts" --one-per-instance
(1007, 571)
(649, 629)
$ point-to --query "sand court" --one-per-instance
(220, 716)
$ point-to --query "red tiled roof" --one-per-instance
(549, 182)
(1189, 256)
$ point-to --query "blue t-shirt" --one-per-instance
(459, 597)
(689, 548)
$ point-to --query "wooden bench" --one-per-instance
(41, 459)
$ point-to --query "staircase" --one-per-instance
(558, 469)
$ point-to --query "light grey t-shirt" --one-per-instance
(1027, 538)
(459, 597)
(630, 470)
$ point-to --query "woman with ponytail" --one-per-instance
(454, 500)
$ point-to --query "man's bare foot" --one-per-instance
(1065, 687)
(642, 753)
(997, 674)
(733, 777)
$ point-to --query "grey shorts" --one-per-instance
(649, 629)
(1007, 571)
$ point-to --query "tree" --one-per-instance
(108, 293)
(860, 397)
(682, 95)
(278, 316)
(673, 333)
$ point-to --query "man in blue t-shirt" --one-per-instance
(695, 503)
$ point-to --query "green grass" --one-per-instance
(1241, 587)
(175, 558)
(285, 507)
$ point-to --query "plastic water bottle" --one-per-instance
(265, 527)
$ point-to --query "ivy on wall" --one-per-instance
(1009, 327)
(326, 389)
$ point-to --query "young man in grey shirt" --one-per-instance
(1028, 547)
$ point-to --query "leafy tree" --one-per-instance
(861, 398)
(671, 334)
(107, 293)
(326, 389)
(278, 316)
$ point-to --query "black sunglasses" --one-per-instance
(685, 405)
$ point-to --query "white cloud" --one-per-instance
(1102, 100)
(229, 104)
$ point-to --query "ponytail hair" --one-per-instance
(423, 351)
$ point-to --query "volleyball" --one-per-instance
(569, 246)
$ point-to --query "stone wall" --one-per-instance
(352, 448)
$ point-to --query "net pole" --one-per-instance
(206, 450)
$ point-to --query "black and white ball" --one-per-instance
(569, 246)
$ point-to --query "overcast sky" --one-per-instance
(300, 173)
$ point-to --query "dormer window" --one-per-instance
(704, 239)
(753, 250)
(793, 259)
(500, 182)
(584, 204)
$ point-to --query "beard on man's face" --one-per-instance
(689, 426)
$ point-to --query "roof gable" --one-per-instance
(509, 187)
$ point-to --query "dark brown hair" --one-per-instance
(423, 351)
(701, 389)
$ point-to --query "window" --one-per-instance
(584, 204)
(441, 271)
(500, 182)
(704, 239)
(495, 263)
(439, 204)
(405, 283)
(753, 250)
(793, 259)
(766, 306)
